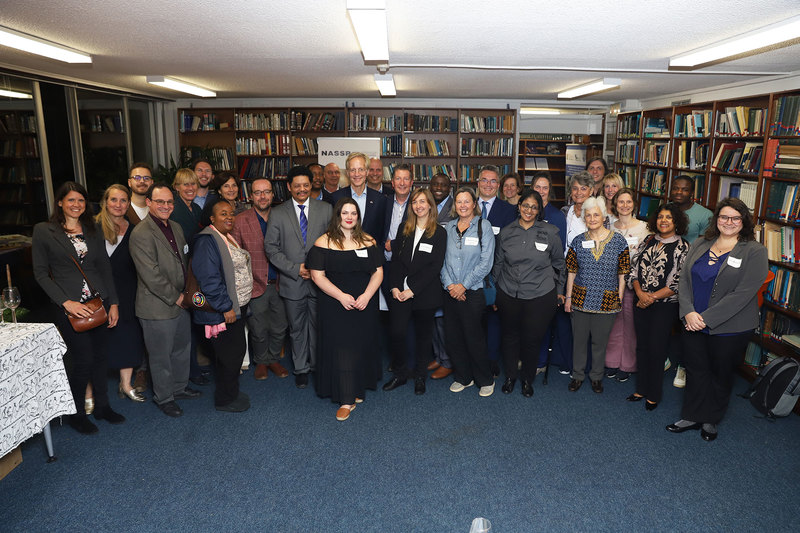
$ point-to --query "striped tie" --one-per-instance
(303, 223)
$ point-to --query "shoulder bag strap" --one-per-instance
(91, 288)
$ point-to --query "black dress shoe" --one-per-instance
(394, 383)
(108, 415)
(650, 406)
(187, 394)
(527, 389)
(82, 424)
(597, 386)
(634, 398)
(170, 409)
(240, 404)
(707, 436)
(574, 385)
(680, 429)
(301, 381)
(419, 386)
(508, 386)
(200, 380)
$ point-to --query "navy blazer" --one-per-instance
(502, 213)
(422, 271)
(372, 217)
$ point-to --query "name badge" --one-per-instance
(541, 246)
(495, 229)
(588, 244)
(632, 241)
(361, 253)
(735, 262)
(471, 241)
(185, 248)
(425, 247)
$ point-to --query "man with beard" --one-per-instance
(140, 178)
(204, 172)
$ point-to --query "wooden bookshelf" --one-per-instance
(22, 196)
(542, 151)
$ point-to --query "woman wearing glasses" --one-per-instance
(529, 269)
(718, 305)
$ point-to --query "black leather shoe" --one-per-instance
(650, 406)
(170, 409)
(187, 394)
(301, 381)
(508, 386)
(634, 398)
(240, 404)
(527, 389)
(200, 380)
(678, 429)
(419, 386)
(82, 424)
(574, 385)
(597, 386)
(108, 415)
(706, 436)
(394, 383)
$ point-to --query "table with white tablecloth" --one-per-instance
(33, 383)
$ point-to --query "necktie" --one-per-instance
(303, 223)
(484, 212)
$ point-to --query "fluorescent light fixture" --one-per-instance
(14, 94)
(753, 40)
(180, 86)
(592, 87)
(539, 111)
(34, 45)
(369, 21)
(385, 83)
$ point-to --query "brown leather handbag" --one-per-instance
(95, 305)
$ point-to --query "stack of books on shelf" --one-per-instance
(252, 168)
(269, 144)
(787, 161)
(780, 328)
(783, 202)
(738, 157)
(782, 243)
(741, 121)
(430, 123)
(549, 137)
(756, 355)
(19, 148)
(487, 147)
(628, 125)
(694, 124)
(222, 158)
(472, 172)
(653, 181)
(22, 123)
(656, 127)
(426, 148)
(496, 124)
(745, 190)
(426, 172)
(278, 120)
(629, 152)
(368, 122)
(628, 175)
(692, 155)
(784, 290)
(647, 205)
(536, 163)
(787, 116)
(392, 145)
(325, 121)
(200, 122)
(305, 146)
(655, 153)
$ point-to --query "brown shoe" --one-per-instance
(140, 383)
(574, 385)
(278, 370)
(433, 365)
(441, 372)
(261, 372)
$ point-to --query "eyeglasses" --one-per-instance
(486, 180)
(141, 178)
(528, 207)
(725, 219)
(357, 170)
(163, 203)
(261, 193)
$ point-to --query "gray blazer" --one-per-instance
(159, 271)
(57, 274)
(283, 244)
(733, 307)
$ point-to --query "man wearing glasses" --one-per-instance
(371, 203)
(140, 178)
(204, 172)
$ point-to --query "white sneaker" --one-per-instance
(487, 390)
(667, 364)
(458, 387)
(680, 378)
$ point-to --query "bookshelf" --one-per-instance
(486, 138)
(22, 196)
(545, 151)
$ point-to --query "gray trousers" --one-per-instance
(598, 327)
(266, 327)
(302, 316)
(169, 344)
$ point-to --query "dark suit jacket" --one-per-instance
(284, 244)
(502, 213)
(422, 272)
(57, 274)
(445, 217)
(159, 271)
(372, 217)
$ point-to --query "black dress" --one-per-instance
(348, 361)
(125, 342)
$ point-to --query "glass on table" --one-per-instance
(11, 299)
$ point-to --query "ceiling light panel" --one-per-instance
(34, 45)
(369, 21)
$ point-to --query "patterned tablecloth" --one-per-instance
(33, 383)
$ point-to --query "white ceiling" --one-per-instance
(437, 49)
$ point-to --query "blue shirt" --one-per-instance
(467, 260)
(361, 200)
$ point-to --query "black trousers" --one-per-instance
(653, 326)
(710, 362)
(229, 348)
(465, 340)
(88, 361)
(523, 326)
(400, 314)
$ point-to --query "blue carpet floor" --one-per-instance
(560, 461)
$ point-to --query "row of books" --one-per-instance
(472, 172)
(426, 148)
(786, 120)
(628, 152)
(647, 205)
(251, 168)
(784, 290)
(305, 146)
(628, 126)
(317, 121)
(692, 155)
(487, 147)
(430, 123)
(782, 242)
(787, 158)
(14, 216)
(536, 163)
(25, 147)
(654, 181)
(783, 201)
(628, 175)
(757, 356)
(493, 124)
(738, 157)
(106, 123)
(14, 123)
(278, 120)
(656, 127)
(741, 121)
(368, 122)
(269, 144)
(655, 153)
(743, 189)
(550, 137)
(543, 149)
(392, 145)
(201, 122)
(780, 328)
(693, 124)
(280, 191)
(222, 158)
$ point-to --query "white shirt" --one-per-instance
(297, 209)
(141, 212)
(397, 217)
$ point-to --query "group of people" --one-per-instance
(481, 278)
